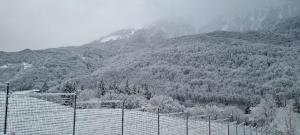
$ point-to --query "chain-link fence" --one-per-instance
(34, 113)
(60, 114)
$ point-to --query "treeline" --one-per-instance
(190, 98)
(222, 99)
(102, 88)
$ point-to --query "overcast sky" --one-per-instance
(39, 24)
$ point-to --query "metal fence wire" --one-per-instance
(39, 114)
(61, 114)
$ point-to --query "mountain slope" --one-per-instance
(50, 65)
(200, 66)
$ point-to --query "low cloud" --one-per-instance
(39, 24)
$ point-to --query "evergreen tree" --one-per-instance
(134, 90)
(278, 101)
(116, 88)
(248, 110)
(68, 88)
(127, 90)
(81, 87)
(101, 89)
(147, 93)
(45, 87)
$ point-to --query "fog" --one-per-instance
(40, 24)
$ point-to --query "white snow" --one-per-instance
(4, 66)
(132, 32)
(110, 38)
(117, 37)
(26, 65)
(26, 91)
(29, 115)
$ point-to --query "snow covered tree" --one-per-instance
(68, 88)
(297, 105)
(127, 89)
(134, 90)
(147, 93)
(45, 87)
(114, 86)
(101, 89)
(166, 104)
(265, 111)
(213, 111)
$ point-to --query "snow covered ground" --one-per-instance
(28, 115)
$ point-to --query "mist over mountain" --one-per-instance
(259, 15)
(83, 21)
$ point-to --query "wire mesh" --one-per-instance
(140, 123)
(2, 110)
(101, 121)
(198, 125)
(173, 124)
(40, 114)
(51, 114)
(219, 127)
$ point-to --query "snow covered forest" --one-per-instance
(250, 72)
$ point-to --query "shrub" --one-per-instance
(166, 104)
(113, 96)
(235, 113)
(218, 112)
(131, 101)
(86, 95)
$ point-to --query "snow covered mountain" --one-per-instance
(235, 66)
(122, 34)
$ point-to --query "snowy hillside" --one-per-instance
(213, 65)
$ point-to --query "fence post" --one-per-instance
(158, 119)
(236, 129)
(266, 131)
(123, 106)
(74, 114)
(256, 131)
(244, 128)
(6, 108)
(209, 130)
(228, 127)
(187, 124)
